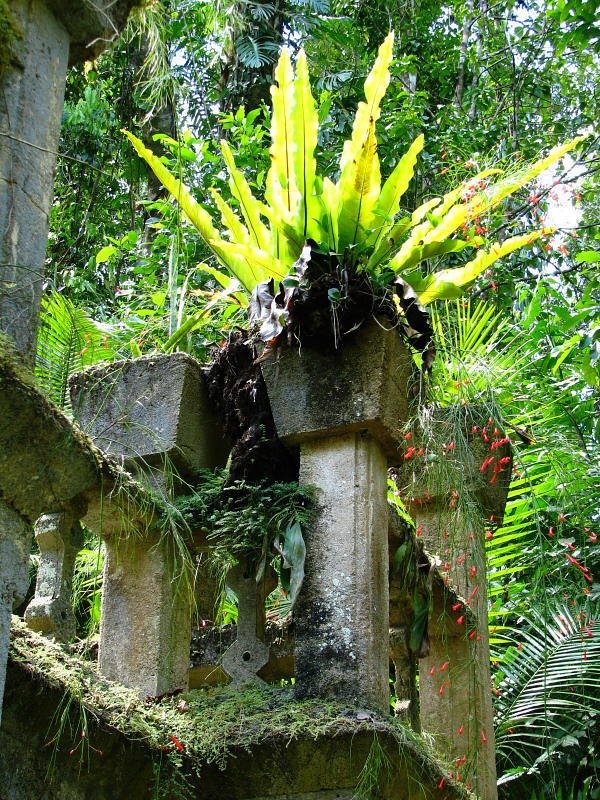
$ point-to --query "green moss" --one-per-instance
(10, 32)
(209, 724)
(11, 361)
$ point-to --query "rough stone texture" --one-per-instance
(59, 538)
(47, 465)
(249, 653)
(91, 24)
(145, 617)
(31, 100)
(456, 703)
(151, 412)
(15, 538)
(362, 386)
(341, 616)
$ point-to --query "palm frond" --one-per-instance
(548, 683)
(68, 340)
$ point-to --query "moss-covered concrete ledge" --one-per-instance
(210, 744)
(48, 465)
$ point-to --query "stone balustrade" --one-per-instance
(51, 36)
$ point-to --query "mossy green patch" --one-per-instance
(10, 32)
(189, 731)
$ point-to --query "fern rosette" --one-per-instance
(348, 237)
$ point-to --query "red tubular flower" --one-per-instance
(472, 595)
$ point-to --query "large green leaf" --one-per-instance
(239, 232)
(281, 189)
(249, 205)
(388, 204)
(360, 177)
(262, 265)
(453, 213)
(355, 216)
(198, 216)
(447, 283)
(305, 128)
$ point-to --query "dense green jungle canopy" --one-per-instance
(489, 84)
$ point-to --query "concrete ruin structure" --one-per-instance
(349, 629)
(144, 430)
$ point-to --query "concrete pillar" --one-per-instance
(15, 539)
(145, 616)
(60, 538)
(454, 687)
(345, 410)
(54, 34)
(341, 619)
(31, 100)
(154, 415)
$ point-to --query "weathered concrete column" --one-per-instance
(145, 616)
(153, 414)
(341, 617)
(60, 538)
(345, 410)
(15, 538)
(31, 99)
(454, 688)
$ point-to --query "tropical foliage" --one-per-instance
(490, 88)
(353, 221)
